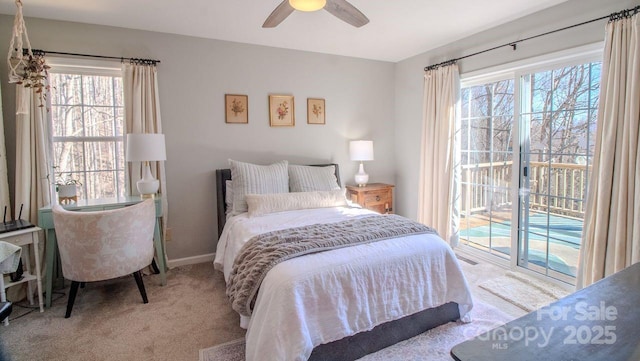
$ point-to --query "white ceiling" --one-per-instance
(398, 28)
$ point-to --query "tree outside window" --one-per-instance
(87, 126)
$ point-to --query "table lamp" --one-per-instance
(361, 150)
(146, 148)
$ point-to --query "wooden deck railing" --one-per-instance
(560, 188)
(485, 186)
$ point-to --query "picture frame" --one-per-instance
(281, 111)
(316, 111)
(236, 109)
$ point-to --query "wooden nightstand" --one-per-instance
(374, 196)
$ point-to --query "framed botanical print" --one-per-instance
(281, 111)
(315, 111)
(236, 109)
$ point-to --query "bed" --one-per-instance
(342, 303)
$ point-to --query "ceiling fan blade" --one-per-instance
(346, 12)
(278, 15)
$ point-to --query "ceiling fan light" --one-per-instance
(307, 5)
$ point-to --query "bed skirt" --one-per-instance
(385, 335)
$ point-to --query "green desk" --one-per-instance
(45, 221)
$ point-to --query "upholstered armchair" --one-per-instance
(102, 245)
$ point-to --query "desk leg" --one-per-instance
(26, 256)
(36, 251)
(50, 259)
(157, 239)
(3, 297)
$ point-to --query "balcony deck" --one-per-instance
(564, 235)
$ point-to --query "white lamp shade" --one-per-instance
(145, 147)
(361, 150)
(307, 5)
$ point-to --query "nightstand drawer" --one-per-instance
(377, 197)
(20, 240)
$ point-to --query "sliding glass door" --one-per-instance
(486, 143)
(558, 118)
(526, 145)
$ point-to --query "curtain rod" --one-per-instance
(612, 17)
(122, 59)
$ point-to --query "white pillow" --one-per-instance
(304, 178)
(250, 178)
(261, 204)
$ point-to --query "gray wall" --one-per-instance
(194, 75)
(409, 73)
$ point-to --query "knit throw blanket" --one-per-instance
(264, 251)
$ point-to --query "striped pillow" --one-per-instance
(228, 198)
(250, 178)
(303, 178)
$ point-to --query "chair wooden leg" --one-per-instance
(154, 266)
(138, 276)
(72, 297)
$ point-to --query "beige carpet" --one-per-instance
(110, 322)
(526, 292)
(433, 345)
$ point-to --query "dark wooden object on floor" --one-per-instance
(600, 322)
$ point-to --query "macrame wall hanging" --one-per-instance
(26, 67)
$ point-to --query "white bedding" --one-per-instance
(323, 297)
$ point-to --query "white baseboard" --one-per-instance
(191, 260)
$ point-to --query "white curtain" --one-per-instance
(437, 191)
(32, 190)
(611, 237)
(4, 176)
(32, 162)
(142, 115)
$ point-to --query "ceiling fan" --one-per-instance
(339, 8)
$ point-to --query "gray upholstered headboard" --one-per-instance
(223, 175)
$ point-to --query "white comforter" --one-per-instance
(323, 297)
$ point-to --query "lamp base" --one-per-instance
(147, 186)
(361, 177)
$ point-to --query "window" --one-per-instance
(526, 145)
(87, 127)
